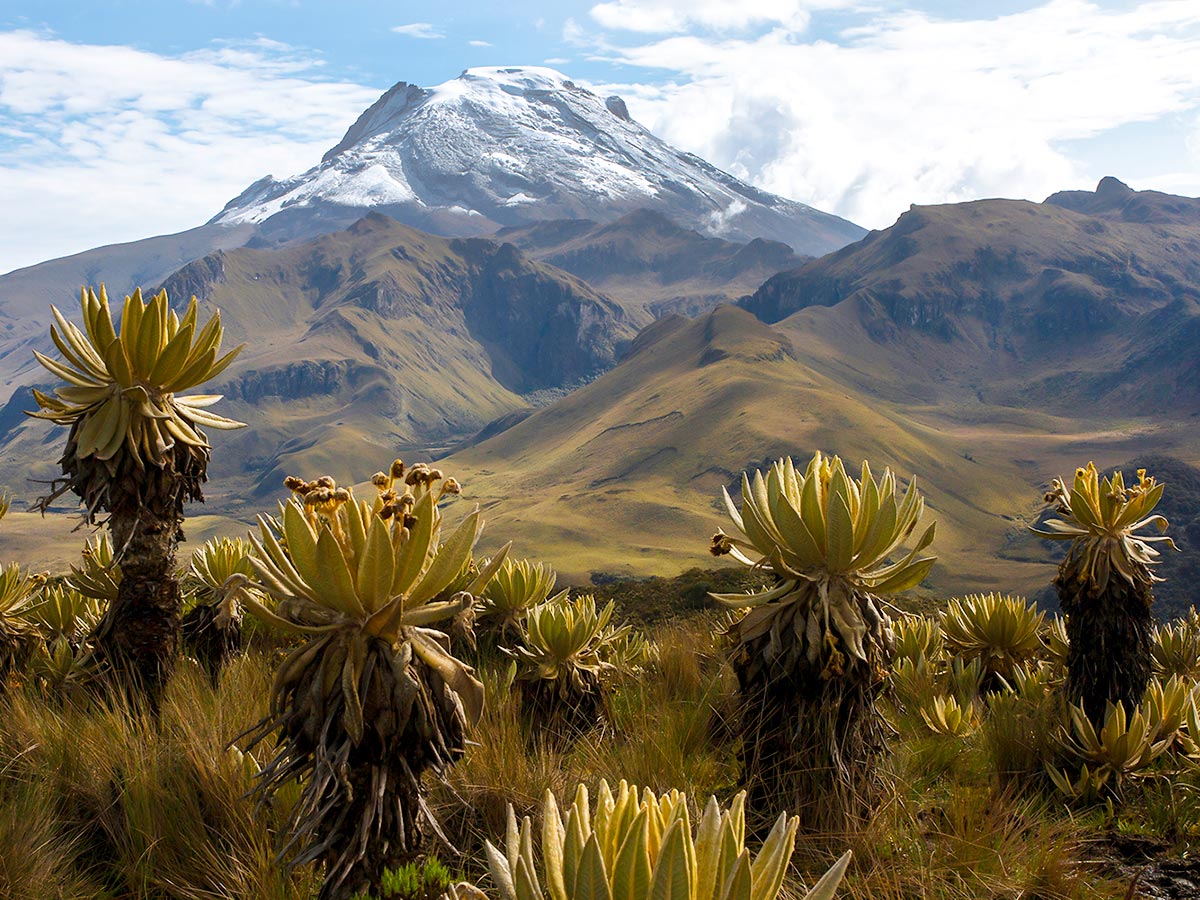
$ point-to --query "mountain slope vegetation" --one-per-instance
(377, 340)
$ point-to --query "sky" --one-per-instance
(123, 119)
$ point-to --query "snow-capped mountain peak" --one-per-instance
(505, 146)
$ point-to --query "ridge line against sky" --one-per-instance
(122, 120)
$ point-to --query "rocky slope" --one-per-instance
(1006, 301)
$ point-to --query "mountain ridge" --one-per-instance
(1065, 307)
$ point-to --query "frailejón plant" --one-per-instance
(372, 699)
(566, 655)
(812, 653)
(212, 625)
(136, 451)
(1105, 584)
(1001, 631)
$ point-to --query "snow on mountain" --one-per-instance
(511, 146)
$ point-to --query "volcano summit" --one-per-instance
(510, 146)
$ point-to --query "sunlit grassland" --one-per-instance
(100, 803)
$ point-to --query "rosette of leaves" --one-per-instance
(1056, 645)
(212, 624)
(812, 653)
(517, 586)
(917, 659)
(629, 650)
(1105, 583)
(19, 637)
(136, 450)
(1001, 631)
(1166, 706)
(372, 698)
(964, 678)
(61, 611)
(1031, 680)
(917, 637)
(913, 681)
(1175, 649)
(65, 618)
(638, 846)
(1124, 746)
(566, 655)
(945, 716)
(1087, 787)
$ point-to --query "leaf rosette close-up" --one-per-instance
(1106, 523)
(638, 845)
(122, 398)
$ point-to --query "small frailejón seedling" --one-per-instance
(1176, 647)
(639, 846)
(212, 623)
(1106, 584)
(373, 698)
(812, 653)
(999, 630)
(136, 451)
(567, 654)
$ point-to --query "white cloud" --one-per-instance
(101, 144)
(722, 15)
(913, 109)
(479, 43)
(556, 61)
(422, 30)
(572, 32)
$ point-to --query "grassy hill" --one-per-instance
(622, 476)
(1011, 303)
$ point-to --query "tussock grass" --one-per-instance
(98, 801)
(128, 807)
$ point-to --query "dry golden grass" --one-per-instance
(97, 802)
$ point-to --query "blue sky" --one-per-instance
(120, 120)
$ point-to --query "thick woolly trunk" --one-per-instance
(379, 794)
(810, 746)
(1110, 635)
(563, 718)
(213, 636)
(811, 733)
(360, 810)
(139, 636)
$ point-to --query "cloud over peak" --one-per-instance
(912, 108)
